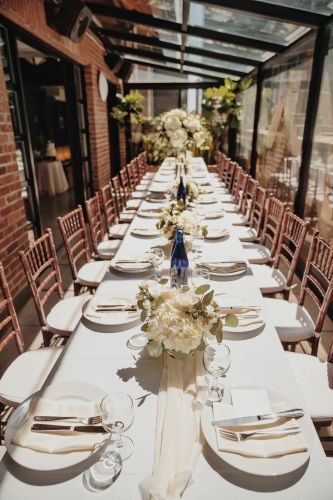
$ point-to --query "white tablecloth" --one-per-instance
(96, 355)
(51, 177)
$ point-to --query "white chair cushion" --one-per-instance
(92, 273)
(149, 175)
(126, 216)
(139, 195)
(244, 233)
(256, 254)
(141, 187)
(133, 204)
(107, 249)
(118, 230)
(315, 380)
(225, 198)
(65, 315)
(26, 374)
(268, 279)
(292, 322)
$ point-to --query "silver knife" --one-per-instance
(70, 428)
(294, 413)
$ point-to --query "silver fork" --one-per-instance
(243, 435)
(84, 420)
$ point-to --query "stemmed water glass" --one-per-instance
(117, 413)
(156, 257)
(216, 360)
(200, 277)
(197, 245)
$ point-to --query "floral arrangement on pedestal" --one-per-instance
(176, 320)
(175, 215)
(192, 190)
(176, 132)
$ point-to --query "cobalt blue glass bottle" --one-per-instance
(179, 261)
(181, 193)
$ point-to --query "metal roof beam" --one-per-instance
(167, 68)
(156, 42)
(134, 17)
(154, 55)
(268, 10)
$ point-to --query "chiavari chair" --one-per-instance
(27, 373)
(103, 249)
(292, 321)
(85, 274)
(125, 214)
(133, 182)
(115, 229)
(127, 191)
(41, 268)
(272, 280)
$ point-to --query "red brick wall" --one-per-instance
(13, 235)
(30, 16)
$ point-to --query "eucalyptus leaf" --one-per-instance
(219, 336)
(184, 289)
(231, 320)
(204, 231)
(140, 304)
(208, 298)
(158, 302)
(145, 327)
(144, 315)
(155, 348)
(202, 289)
(163, 281)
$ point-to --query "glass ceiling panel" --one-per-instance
(144, 74)
(207, 73)
(324, 7)
(142, 46)
(170, 10)
(208, 61)
(152, 61)
(235, 23)
(228, 48)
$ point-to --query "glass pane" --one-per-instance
(207, 73)
(235, 23)
(318, 6)
(150, 48)
(144, 74)
(319, 199)
(281, 123)
(244, 140)
(208, 61)
(228, 48)
(139, 59)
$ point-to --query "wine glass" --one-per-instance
(156, 257)
(117, 413)
(216, 360)
(200, 277)
(197, 245)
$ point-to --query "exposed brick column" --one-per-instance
(98, 128)
(13, 222)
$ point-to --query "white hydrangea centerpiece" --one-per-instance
(175, 215)
(176, 319)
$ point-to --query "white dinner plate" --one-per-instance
(216, 234)
(276, 466)
(206, 199)
(155, 199)
(78, 392)
(207, 190)
(216, 214)
(230, 301)
(220, 272)
(109, 318)
(130, 267)
(159, 188)
(145, 232)
(149, 214)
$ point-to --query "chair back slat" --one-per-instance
(131, 175)
(95, 221)
(109, 205)
(248, 197)
(229, 174)
(41, 268)
(118, 194)
(258, 209)
(125, 184)
(235, 181)
(317, 281)
(241, 187)
(73, 231)
(9, 326)
(292, 236)
(273, 223)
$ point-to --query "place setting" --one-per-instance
(145, 232)
(110, 311)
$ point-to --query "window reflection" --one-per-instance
(244, 143)
(319, 199)
(281, 122)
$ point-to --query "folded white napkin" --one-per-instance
(128, 266)
(178, 438)
(217, 233)
(145, 231)
(225, 267)
(58, 443)
(257, 446)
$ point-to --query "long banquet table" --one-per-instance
(95, 355)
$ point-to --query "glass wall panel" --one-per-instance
(244, 140)
(319, 200)
(281, 123)
(319, 6)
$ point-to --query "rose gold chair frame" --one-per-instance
(108, 203)
(41, 268)
(229, 174)
(258, 208)
(118, 194)
(248, 197)
(273, 223)
(9, 325)
(73, 231)
(125, 184)
(95, 222)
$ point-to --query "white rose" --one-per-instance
(178, 138)
(199, 139)
(192, 124)
(172, 123)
